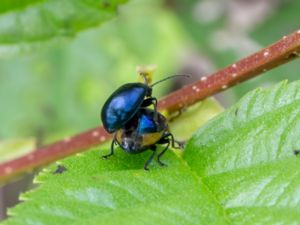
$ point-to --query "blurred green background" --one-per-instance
(56, 90)
(59, 89)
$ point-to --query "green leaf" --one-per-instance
(246, 157)
(238, 169)
(8, 5)
(193, 117)
(118, 191)
(49, 19)
(13, 148)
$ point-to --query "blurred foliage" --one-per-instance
(13, 148)
(283, 21)
(8, 5)
(56, 89)
(224, 40)
(60, 89)
(39, 21)
(190, 119)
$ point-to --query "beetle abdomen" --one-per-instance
(136, 143)
(142, 131)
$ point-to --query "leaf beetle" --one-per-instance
(136, 128)
(123, 104)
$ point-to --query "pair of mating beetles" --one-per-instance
(136, 127)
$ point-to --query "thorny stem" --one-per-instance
(286, 49)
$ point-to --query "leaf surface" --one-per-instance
(35, 21)
(240, 168)
(246, 157)
(118, 191)
(189, 120)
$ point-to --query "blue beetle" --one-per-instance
(123, 104)
(136, 127)
(143, 132)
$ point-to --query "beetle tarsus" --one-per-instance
(106, 156)
(161, 163)
(146, 168)
(181, 144)
(111, 150)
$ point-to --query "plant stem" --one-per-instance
(286, 49)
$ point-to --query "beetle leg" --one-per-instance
(151, 101)
(153, 148)
(175, 115)
(163, 152)
(111, 149)
(180, 144)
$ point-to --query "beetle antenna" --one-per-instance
(167, 78)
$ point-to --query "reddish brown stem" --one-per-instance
(286, 49)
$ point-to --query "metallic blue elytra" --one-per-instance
(123, 104)
(147, 124)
